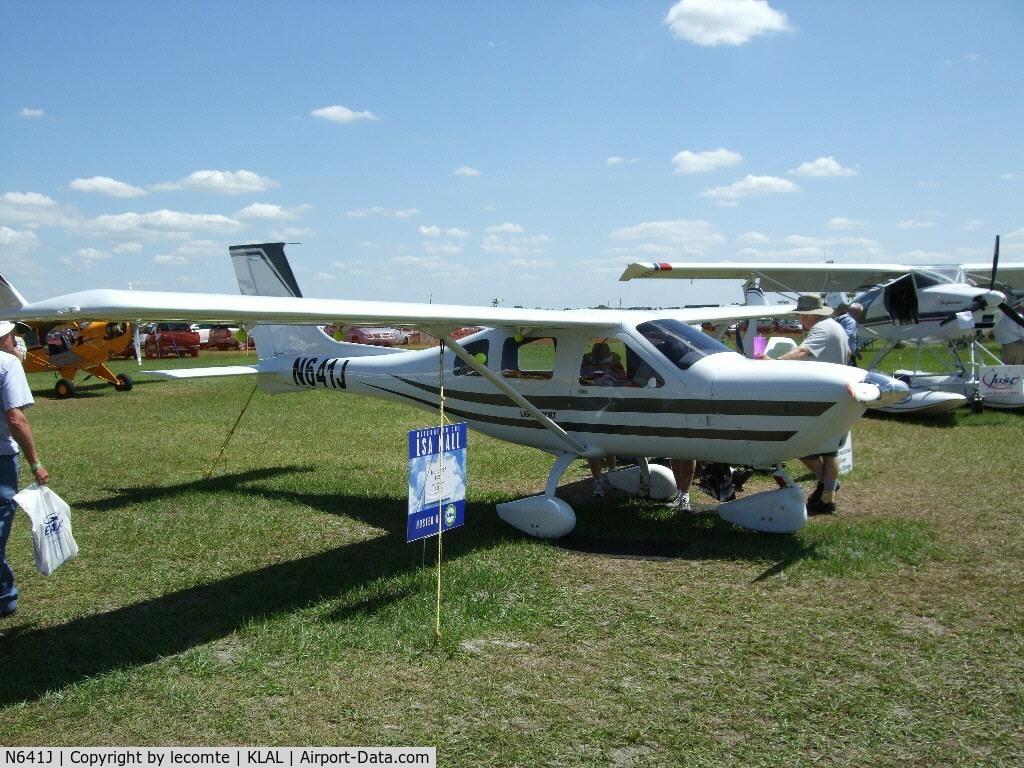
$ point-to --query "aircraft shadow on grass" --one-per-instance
(51, 658)
(88, 388)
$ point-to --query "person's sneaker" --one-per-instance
(8, 610)
(815, 496)
(820, 507)
(599, 489)
(681, 503)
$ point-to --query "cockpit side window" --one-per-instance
(681, 344)
(528, 358)
(603, 363)
(480, 349)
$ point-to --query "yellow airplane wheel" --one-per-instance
(65, 388)
(124, 382)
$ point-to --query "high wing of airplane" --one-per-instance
(520, 380)
(65, 349)
(901, 302)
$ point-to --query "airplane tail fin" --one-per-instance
(262, 269)
(10, 299)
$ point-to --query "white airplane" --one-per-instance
(924, 305)
(520, 380)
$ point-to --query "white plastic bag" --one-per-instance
(51, 527)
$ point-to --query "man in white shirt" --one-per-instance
(1010, 336)
(825, 342)
(15, 436)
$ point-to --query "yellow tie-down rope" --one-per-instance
(440, 497)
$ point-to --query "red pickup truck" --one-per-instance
(171, 340)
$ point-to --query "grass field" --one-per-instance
(275, 601)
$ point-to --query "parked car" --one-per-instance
(203, 329)
(376, 335)
(405, 336)
(226, 337)
(171, 339)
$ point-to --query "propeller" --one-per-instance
(980, 302)
(138, 346)
(1004, 306)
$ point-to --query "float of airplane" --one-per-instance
(921, 305)
(519, 379)
(79, 347)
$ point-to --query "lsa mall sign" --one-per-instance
(437, 480)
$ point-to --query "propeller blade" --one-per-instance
(995, 263)
(1011, 313)
(138, 348)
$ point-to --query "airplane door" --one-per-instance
(900, 297)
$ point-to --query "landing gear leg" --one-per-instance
(547, 516)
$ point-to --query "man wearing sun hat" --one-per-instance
(826, 343)
(15, 436)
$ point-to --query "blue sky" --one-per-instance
(465, 151)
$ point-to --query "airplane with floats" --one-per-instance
(920, 305)
(519, 379)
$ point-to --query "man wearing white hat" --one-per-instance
(825, 342)
(15, 435)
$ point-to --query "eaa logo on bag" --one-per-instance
(52, 525)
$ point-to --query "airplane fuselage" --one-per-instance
(655, 408)
(919, 306)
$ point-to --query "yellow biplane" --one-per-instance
(69, 348)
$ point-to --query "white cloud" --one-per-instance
(911, 224)
(465, 170)
(222, 182)
(339, 114)
(700, 162)
(842, 222)
(269, 212)
(34, 210)
(750, 185)
(31, 113)
(443, 249)
(432, 231)
(377, 210)
(104, 185)
(20, 240)
(156, 225)
(759, 238)
(506, 228)
(724, 22)
(170, 260)
(517, 246)
(680, 236)
(822, 167)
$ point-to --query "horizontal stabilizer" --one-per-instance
(204, 373)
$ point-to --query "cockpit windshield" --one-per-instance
(682, 344)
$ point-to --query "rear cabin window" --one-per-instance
(479, 349)
(530, 358)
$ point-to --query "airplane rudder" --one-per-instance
(262, 269)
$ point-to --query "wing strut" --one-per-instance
(517, 398)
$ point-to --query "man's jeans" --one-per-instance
(8, 487)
